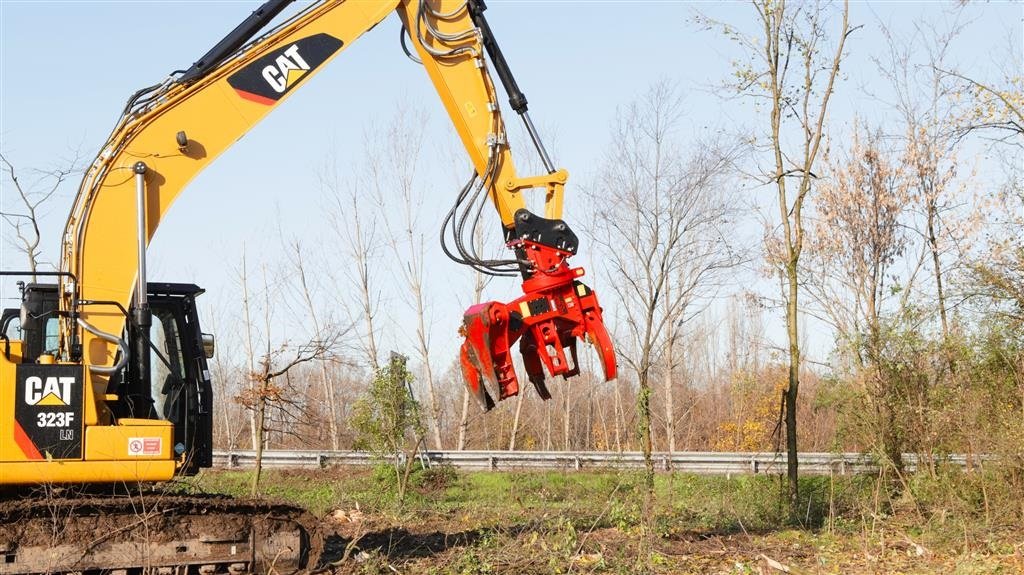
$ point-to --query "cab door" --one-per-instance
(180, 379)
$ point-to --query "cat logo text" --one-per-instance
(55, 391)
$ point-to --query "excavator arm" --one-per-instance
(171, 131)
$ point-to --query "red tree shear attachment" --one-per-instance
(555, 311)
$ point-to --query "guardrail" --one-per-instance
(703, 463)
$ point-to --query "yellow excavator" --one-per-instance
(103, 375)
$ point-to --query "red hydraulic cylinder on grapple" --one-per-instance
(556, 310)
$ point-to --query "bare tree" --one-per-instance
(392, 157)
(250, 351)
(355, 226)
(926, 103)
(272, 388)
(658, 208)
(24, 220)
(267, 393)
(789, 65)
(319, 330)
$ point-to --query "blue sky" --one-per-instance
(66, 69)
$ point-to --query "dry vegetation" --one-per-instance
(571, 522)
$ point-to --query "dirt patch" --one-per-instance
(540, 548)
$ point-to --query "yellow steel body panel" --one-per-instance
(107, 449)
(36, 472)
(9, 450)
(113, 442)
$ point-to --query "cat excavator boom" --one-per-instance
(103, 374)
(117, 392)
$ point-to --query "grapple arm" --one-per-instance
(554, 312)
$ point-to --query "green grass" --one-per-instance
(555, 522)
(611, 498)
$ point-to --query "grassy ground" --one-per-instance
(586, 522)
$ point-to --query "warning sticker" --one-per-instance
(145, 445)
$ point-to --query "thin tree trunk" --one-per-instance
(777, 33)
(248, 349)
(260, 413)
(589, 445)
(463, 420)
(547, 427)
(260, 416)
(643, 410)
(515, 420)
(423, 342)
(605, 438)
(325, 376)
(565, 419)
(933, 245)
(229, 437)
(619, 419)
(670, 413)
(792, 470)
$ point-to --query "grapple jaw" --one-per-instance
(555, 311)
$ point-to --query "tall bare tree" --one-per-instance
(272, 394)
(926, 104)
(320, 329)
(658, 207)
(790, 64)
(250, 350)
(393, 155)
(354, 217)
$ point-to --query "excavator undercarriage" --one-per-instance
(55, 530)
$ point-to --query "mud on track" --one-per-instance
(53, 530)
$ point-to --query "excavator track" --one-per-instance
(150, 533)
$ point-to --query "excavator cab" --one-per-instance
(178, 389)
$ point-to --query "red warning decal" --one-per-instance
(142, 446)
